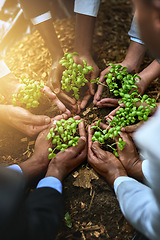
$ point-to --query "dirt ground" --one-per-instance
(91, 203)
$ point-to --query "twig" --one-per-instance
(91, 200)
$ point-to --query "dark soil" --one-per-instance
(91, 203)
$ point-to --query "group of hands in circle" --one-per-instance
(105, 163)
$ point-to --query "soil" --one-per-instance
(91, 203)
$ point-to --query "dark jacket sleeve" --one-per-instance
(45, 212)
(33, 216)
(34, 8)
(39, 217)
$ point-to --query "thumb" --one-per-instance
(39, 120)
(74, 151)
(96, 149)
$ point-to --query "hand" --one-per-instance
(129, 157)
(23, 120)
(105, 163)
(64, 162)
(38, 163)
(9, 85)
(92, 75)
(54, 84)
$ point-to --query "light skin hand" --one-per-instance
(64, 162)
(103, 162)
(129, 157)
(23, 120)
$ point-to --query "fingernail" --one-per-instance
(56, 90)
(84, 139)
(47, 120)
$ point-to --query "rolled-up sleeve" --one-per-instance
(87, 7)
(134, 32)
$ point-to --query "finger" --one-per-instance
(77, 117)
(85, 100)
(91, 88)
(98, 94)
(36, 120)
(96, 149)
(133, 128)
(100, 105)
(113, 113)
(66, 98)
(103, 126)
(90, 135)
(82, 131)
(37, 129)
(54, 79)
(74, 151)
(109, 100)
(48, 92)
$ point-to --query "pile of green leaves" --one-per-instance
(137, 107)
(29, 93)
(63, 136)
(74, 75)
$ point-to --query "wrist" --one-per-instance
(54, 172)
(33, 167)
(135, 170)
(118, 172)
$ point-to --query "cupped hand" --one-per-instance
(90, 90)
(130, 159)
(38, 163)
(54, 83)
(64, 162)
(23, 120)
(104, 162)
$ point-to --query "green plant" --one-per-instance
(28, 93)
(136, 107)
(68, 220)
(63, 136)
(102, 136)
(74, 75)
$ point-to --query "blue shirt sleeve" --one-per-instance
(51, 182)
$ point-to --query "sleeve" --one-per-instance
(139, 203)
(34, 8)
(41, 215)
(139, 206)
(87, 7)
(51, 182)
(134, 33)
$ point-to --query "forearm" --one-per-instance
(84, 34)
(139, 206)
(134, 56)
(48, 33)
(32, 168)
(150, 73)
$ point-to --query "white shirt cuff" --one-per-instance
(4, 70)
(119, 180)
(89, 7)
(51, 182)
(15, 167)
(136, 40)
(42, 18)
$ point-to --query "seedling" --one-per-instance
(102, 136)
(137, 108)
(74, 75)
(68, 220)
(63, 136)
(28, 93)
